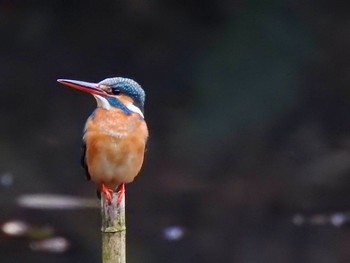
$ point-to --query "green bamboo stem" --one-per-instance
(113, 230)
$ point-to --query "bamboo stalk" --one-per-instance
(113, 230)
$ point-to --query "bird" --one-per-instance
(115, 134)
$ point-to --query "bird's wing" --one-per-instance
(83, 161)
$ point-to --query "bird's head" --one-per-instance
(119, 92)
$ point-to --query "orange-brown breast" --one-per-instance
(115, 145)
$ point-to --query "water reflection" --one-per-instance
(6, 179)
(51, 201)
(40, 237)
(173, 233)
(15, 228)
(53, 245)
(335, 219)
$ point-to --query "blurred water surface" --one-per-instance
(248, 109)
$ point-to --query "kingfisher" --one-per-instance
(115, 134)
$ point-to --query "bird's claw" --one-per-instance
(108, 193)
(121, 194)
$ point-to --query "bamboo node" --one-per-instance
(113, 229)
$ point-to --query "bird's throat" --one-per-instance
(109, 102)
(102, 102)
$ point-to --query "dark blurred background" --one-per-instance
(248, 106)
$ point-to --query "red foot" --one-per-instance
(108, 193)
(121, 193)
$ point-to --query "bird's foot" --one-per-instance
(108, 193)
(121, 193)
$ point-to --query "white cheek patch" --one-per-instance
(102, 102)
(135, 109)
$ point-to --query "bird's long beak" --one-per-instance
(92, 88)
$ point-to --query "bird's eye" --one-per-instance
(115, 91)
